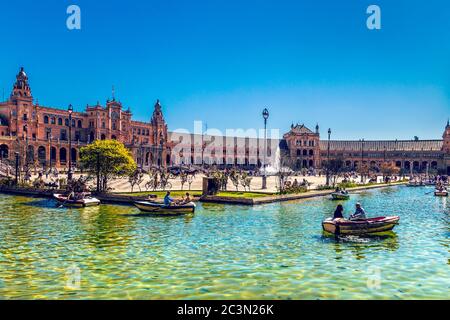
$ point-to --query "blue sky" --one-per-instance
(222, 62)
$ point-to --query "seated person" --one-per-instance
(167, 199)
(187, 199)
(339, 212)
(359, 214)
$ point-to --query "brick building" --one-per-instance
(306, 150)
(40, 134)
(44, 131)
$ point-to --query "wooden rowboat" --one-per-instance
(340, 196)
(79, 203)
(161, 209)
(360, 227)
(441, 193)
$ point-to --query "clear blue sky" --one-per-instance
(223, 61)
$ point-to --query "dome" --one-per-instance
(22, 73)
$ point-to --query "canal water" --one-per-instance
(273, 251)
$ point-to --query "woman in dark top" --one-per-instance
(338, 213)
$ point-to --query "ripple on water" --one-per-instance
(274, 251)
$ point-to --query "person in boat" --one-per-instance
(168, 200)
(339, 212)
(360, 213)
(187, 199)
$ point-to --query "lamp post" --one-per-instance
(50, 137)
(362, 160)
(328, 157)
(265, 115)
(17, 168)
(27, 159)
(69, 173)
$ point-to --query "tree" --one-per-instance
(234, 177)
(190, 179)
(106, 159)
(136, 178)
(246, 180)
(388, 169)
(335, 169)
(183, 177)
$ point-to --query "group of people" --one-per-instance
(168, 200)
(341, 190)
(360, 213)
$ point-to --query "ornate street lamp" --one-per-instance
(17, 168)
(265, 115)
(70, 173)
(362, 160)
(328, 157)
(50, 145)
(25, 129)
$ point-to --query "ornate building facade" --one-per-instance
(40, 134)
(305, 150)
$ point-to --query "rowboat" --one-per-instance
(340, 196)
(359, 227)
(415, 184)
(441, 193)
(79, 203)
(161, 209)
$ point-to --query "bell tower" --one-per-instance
(159, 128)
(21, 89)
(446, 138)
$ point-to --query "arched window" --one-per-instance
(62, 155)
(73, 155)
(299, 152)
(53, 154)
(60, 121)
(102, 137)
(80, 124)
(41, 155)
(45, 119)
(311, 152)
(66, 122)
(4, 151)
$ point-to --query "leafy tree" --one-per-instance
(235, 177)
(106, 159)
(245, 180)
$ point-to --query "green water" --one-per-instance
(274, 251)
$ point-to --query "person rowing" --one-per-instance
(167, 199)
(360, 213)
